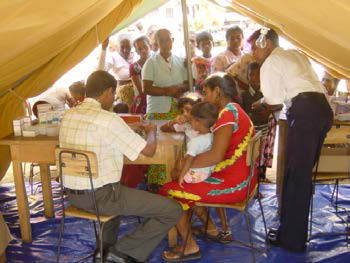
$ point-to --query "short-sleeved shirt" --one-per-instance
(200, 144)
(115, 64)
(163, 74)
(88, 127)
(286, 73)
(223, 61)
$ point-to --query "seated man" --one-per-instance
(106, 134)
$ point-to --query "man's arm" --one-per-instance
(151, 140)
(101, 65)
(172, 91)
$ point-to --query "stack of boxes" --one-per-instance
(48, 123)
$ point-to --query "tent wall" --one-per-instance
(42, 40)
(318, 28)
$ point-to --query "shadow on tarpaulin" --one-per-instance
(79, 239)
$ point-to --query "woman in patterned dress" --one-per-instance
(229, 181)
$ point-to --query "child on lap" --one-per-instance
(203, 116)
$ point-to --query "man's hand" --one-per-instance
(105, 44)
(258, 106)
(148, 127)
(137, 126)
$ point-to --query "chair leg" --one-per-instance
(31, 178)
(206, 223)
(61, 229)
(263, 218)
(246, 217)
(96, 235)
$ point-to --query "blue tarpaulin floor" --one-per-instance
(78, 239)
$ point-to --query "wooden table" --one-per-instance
(40, 150)
(339, 134)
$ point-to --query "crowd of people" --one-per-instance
(234, 92)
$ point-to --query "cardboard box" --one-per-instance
(130, 118)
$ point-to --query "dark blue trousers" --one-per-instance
(308, 121)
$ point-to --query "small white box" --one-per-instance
(44, 107)
(42, 117)
(30, 133)
(17, 127)
(27, 122)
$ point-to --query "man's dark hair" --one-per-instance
(232, 30)
(206, 112)
(203, 36)
(98, 82)
(225, 83)
(271, 35)
(121, 107)
(141, 38)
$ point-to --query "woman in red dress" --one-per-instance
(229, 181)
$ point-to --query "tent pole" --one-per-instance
(187, 43)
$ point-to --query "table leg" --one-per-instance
(172, 237)
(22, 202)
(47, 190)
(3, 257)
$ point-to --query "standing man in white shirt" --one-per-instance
(287, 77)
(91, 127)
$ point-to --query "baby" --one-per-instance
(203, 116)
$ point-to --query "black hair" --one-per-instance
(203, 36)
(225, 83)
(141, 38)
(121, 107)
(156, 35)
(98, 82)
(231, 30)
(206, 112)
(186, 100)
(271, 35)
(253, 66)
(78, 87)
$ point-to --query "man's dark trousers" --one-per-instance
(308, 121)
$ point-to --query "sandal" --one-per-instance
(180, 257)
(221, 237)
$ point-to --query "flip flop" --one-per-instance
(221, 237)
(193, 256)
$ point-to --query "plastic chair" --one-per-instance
(81, 164)
(251, 159)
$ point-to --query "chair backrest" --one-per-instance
(253, 149)
(76, 162)
(264, 129)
